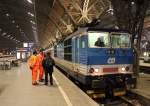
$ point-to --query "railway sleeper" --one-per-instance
(102, 94)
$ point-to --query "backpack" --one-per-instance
(48, 62)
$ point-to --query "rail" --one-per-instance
(131, 102)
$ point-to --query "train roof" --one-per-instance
(107, 30)
(86, 29)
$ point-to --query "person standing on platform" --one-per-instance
(33, 64)
(48, 64)
(40, 57)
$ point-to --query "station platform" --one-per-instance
(143, 64)
(16, 90)
(144, 67)
(143, 86)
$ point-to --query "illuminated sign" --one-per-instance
(25, 44)
(18, 55)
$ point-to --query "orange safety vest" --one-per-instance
(32, 61)
(40, 58)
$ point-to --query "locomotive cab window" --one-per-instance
(98, 39)
(120, 40)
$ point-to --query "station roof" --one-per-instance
(48, 21)
(59, 18)
(15, 22)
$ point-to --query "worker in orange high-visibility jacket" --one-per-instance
(34, 66)
(41, 69)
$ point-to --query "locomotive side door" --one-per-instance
(76, 56)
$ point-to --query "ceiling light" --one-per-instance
(13, 21)
(30, 14)
(116, 27)
(11, 38)
(3, 34)
(32, 22)
(33, 27)
(17, 26)
(30, 1)
(7, 15)
(8, 35)
(132, 3)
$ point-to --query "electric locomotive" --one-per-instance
(99, 59)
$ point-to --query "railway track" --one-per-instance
(130, 99)
(120, 101)
(131, 102)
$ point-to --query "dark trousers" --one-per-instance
(48, 72)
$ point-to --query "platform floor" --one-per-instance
(16, 90)
(142, 63)
(143, 86)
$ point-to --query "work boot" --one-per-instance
(51, 83)
(34, 83)
(45, 83)
(41, 80)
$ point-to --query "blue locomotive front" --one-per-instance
(98, 59)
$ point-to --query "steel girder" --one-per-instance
(67, 15)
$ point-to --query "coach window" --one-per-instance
(82, 42)
(68, 50)
(77, 42)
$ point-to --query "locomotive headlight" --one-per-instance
(96, 70)
(123, 69)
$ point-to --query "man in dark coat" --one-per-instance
(48, 64)
(99, 43)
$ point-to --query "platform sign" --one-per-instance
(22, 53)
(25, 44)
(30, 45)
(23, 56)
(18, 55)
